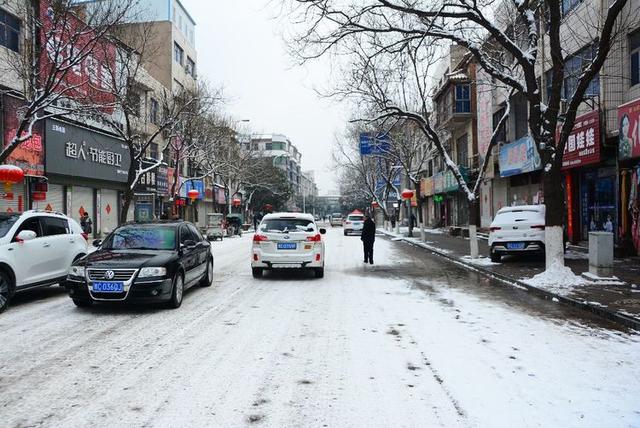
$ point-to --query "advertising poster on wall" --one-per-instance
(519, 157)
(629, 130)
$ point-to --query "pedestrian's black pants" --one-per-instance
(368, 251)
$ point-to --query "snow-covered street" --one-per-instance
(411, 341)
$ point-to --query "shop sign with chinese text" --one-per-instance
(629, 130)
(519, 157)
(29, 155)
(583, 144)
(79, 152)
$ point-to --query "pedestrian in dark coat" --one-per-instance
(368, 238)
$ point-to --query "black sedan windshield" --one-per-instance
(141, 238)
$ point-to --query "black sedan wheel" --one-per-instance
(6, 291)
(83, 303)
(207, 279)
(177, 292)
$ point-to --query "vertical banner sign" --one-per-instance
(484, 111)
(629, 130)
(583, 143)
(570, 207)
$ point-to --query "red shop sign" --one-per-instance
(583, 144)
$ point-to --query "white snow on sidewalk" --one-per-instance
(557, 279)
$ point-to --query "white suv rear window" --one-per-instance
(355, 218)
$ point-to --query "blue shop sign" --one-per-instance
(519, 157)
(195, 185)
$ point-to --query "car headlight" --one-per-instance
(76, 271)
(152, 271)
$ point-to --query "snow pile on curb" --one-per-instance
(480, 261)
(558, 279)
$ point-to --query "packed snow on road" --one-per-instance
(409, 341)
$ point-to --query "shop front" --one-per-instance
(628, 232)
(447, 207)
(590, 180)
(29, 156)
(87, 172)
(520, 163)
(150, 191)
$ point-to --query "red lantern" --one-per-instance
(374, 204)
(10, 174)
(407, 194)
(236, 202)
(193, 194)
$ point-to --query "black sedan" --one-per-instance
(143, 263)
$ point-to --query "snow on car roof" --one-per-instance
(536, 208)
(289, 215)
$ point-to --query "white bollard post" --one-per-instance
(423, 237)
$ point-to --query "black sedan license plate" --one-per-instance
(287, 246)
(108, 287)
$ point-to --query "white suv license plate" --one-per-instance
(515, 246)
(287, 246)
(107, 287)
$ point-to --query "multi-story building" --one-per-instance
(283, 153)
(455, 106)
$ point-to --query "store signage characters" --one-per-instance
(519, 157)
(583, 144)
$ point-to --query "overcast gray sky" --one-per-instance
(240, 47)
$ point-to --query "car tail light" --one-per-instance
(255, 257)
(494, 228)
(316, 238)
(85, 236)
(538, 226)
(347, 222)
(317, 257)
(260, 238)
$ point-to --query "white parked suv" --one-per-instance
(517, 230)
(286, 241)
(37, 249)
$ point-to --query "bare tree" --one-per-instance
(504, 38)
(62, 68)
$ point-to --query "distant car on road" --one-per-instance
(36, 249)
(517, 230)
(285, 241)
(353, 224)
(336, 219)
(143, 263)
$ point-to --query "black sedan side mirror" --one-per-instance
(323, 231)
(97, 242)
(188, 244)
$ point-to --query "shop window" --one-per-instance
(9, 31)
(463, 98)
(634, 59)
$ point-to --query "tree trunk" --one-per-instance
(126, 203)
(554, 216)
(474, 223)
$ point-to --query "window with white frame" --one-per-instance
(178, 54)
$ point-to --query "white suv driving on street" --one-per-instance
(288, 240)
(353, 224)
(37, 249)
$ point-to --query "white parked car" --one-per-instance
(517, 230)
(37, 249)
(353, 224)
(286, 241)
